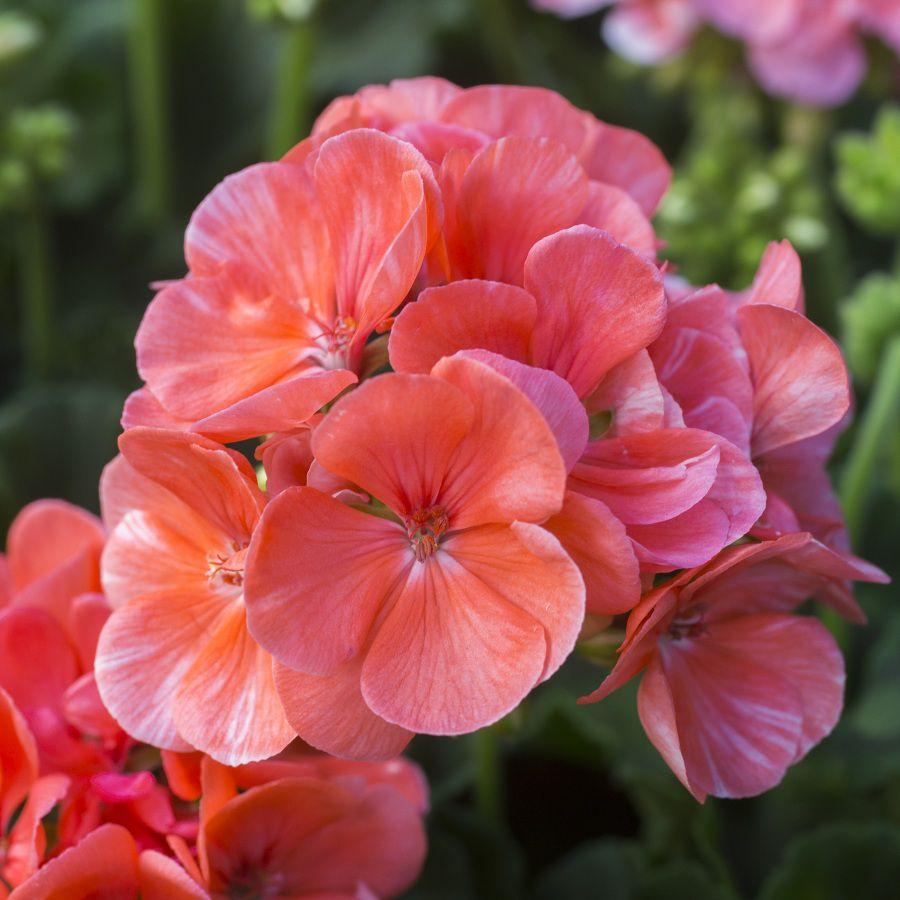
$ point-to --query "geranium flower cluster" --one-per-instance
(87, 811)
(811, 51)
(491, 423)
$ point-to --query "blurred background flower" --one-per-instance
(118, 116)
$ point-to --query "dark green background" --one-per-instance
(116, 117)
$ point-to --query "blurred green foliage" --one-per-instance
(117, 116)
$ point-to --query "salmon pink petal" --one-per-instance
(218, 485)
(799, 377)
(803, 652)
(83, 708)
(145, 649)
(47, 534)
(656, 709)
(597, 543)
(86, 618)
(502, 110)
(280, 407)
(286, 459)
(508, 466)
(102, 864)
(740, 723)
(688, 539)
(779, 280)
(598, 303)
(379, 849)
(395, 437)
(474, 630)
(147, 554)
(516, 191)
(434, 140)
(37, 661)
(632, 395)
(5, 581)
(406, 98)
(380, 226)
(554, 398)
(18, 758)
(329, 713)
(182, 773)
(207, 342)
(324, 567)
(630, 161)
(614, 211)
(142, 408)
(266, 218)
(226, 703)
(706, 375)
(161, 878)
(650, 477)
(462, 315)
(119, 787)
(256, 837)
(25, 843)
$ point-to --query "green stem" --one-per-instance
(292, 102)
(873, 431)
(36, 292)
(148, 76)
(486, 760)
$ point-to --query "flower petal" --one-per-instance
(462, 315)
(799, 377)
(598, 303)
(597, 542)
(226, 703)
(329, 713)
(613, 210)
(325, 568)
(515, 192)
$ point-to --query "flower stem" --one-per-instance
(291, 103)
(488, 774)
(148, 76)
(36, 292)
(874, 430)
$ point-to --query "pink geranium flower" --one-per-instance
(442, 610)
(175, 663)
(736, 689)
(292, 267)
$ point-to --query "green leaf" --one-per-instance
(839, 862)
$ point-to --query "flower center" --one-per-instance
(689, 624)
(227, 568)
(425, 527)
(334, 341)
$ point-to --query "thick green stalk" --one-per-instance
(150, 109)
(488, 773)
(873, 435)
(36, 287)
(291, 101)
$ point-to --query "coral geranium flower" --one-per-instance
(735, 689)
(107, 864)
(589, 308)
(291, 269)
(440, 612)
(438, 117)
(175, 663)
(294, 833)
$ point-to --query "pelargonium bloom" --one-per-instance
(175, 664)
(292, 267)
(589, 309)
(443, 609)
(736, 688)
(810, 51)
(442, 119)
(352, 832)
